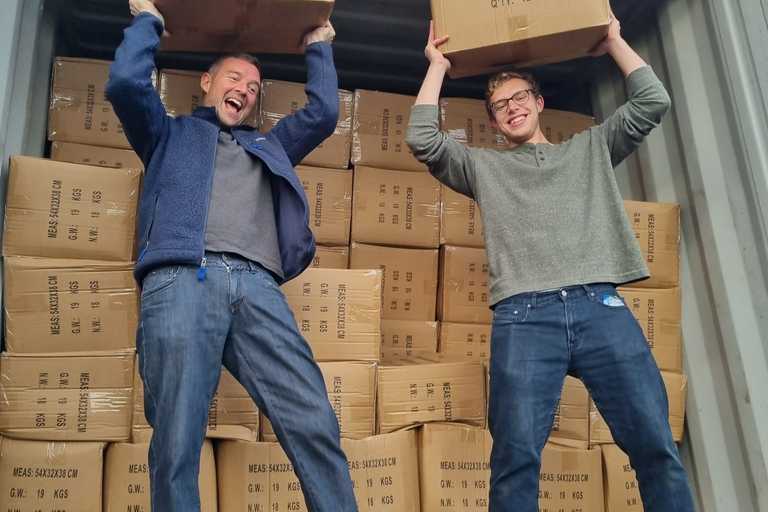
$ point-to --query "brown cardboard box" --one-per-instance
(463, 295)
(338, 312)
(378, 131)
(264, 26)
(100, 156)
(83, 397)
(657, 228)
(181, 94)
(407, 340)
(180, 91)
(455, 472)
(489, 36)
(231, 406)
(571, 424)
(659, 313)
(461, 223)
(248, 433)
(79, 110)
(396, 208)
(467, 121)
(329, 192)
(331, 257)
(454, 467)
(409, 279)
(351, 388)
(622, 493)
(467, 341)
(571, 479)
(559, 125)
(677, 389)
(384, 471)
(280, 99)
(126, 478)
(257, 477)
(62, 210)
(408, 395)
(69, 305)
(51, 476)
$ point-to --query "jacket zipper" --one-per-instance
(202, 271)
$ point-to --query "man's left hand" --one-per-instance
(614, 35)
(324, 33)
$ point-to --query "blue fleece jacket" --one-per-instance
(179, 155)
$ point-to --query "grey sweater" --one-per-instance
(553, 214)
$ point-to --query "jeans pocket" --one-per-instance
(511, 313)
(610, 300)
(158, 280)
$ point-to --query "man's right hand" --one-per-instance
(139, 6)
(432, 51)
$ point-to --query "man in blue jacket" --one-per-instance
(223, 221)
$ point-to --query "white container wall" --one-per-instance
(711, 157)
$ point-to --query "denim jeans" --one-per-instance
(237, 316)
(587, 332)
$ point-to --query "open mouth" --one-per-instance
(234, 105)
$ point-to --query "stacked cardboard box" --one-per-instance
(126, 477)
(408, 340)
(409, 395)
(454, 467)
(38, 475)
(351, 388)
(338, 311)
(82, 125)
(100, 156)
(70, 319)
(622, 493)
(280, 99)
(232, 414)
(259, 476)
(71, 303)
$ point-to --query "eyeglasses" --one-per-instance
(520, 97)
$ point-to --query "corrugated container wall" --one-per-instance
(710, 156)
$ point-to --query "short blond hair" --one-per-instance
(500, 79)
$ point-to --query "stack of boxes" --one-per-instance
(395, 309)
(70, 302)
(656, 303)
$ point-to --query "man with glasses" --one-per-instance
(558, 242)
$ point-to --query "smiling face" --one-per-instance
(231, 87)
(518, 117)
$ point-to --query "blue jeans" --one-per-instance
(237, 316)
(587, 332)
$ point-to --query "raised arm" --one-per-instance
(305, 129)
(648, 100)
(448, 160)
(130, 88)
